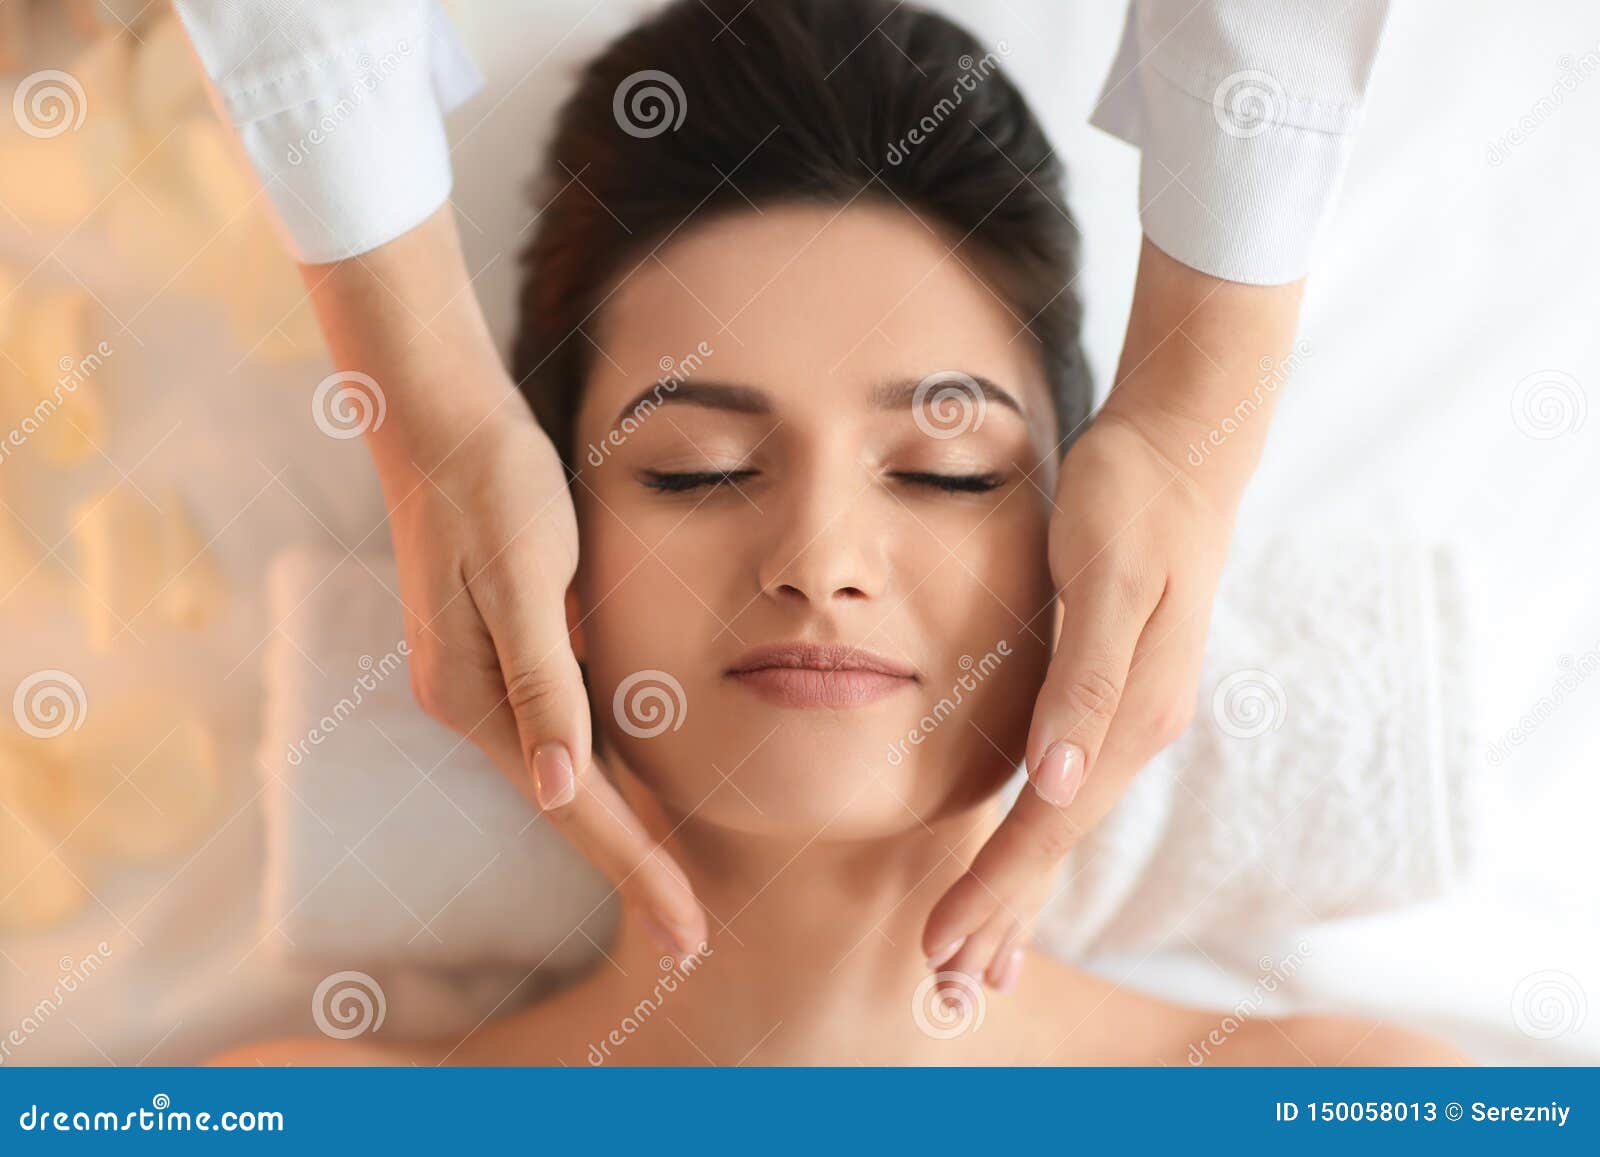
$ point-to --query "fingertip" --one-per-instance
(660, 935)
(943, 954)
(1010, 970)
(960, 912)
(694, 940)
(677, 907)
(694, 920)
(1006, 958)
(941, 938)
(996, 970)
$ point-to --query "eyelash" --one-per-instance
(954, 483)
(669, 483)
(680, 483)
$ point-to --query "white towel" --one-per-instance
(1327, 774)
(1332, 769)
(390, 840)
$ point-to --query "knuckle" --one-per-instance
(1092, 696)
(433, 693)
(531, 693)
(1128, 576)
(1055, 840)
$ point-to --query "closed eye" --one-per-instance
(953, 483)
(667, 482)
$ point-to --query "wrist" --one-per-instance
(405, 316)
(1202, 368)
(436, 411)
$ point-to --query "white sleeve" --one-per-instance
(1244, 112)
(340, 106)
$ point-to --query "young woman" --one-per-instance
(799, 316)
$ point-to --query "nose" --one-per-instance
(825, 550)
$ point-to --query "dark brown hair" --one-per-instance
(711, 105)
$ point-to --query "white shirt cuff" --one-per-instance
(350, 146)
(1235, 181)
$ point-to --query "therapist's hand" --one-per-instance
(1143, 519)
(487, 544)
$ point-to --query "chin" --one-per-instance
(823, 775)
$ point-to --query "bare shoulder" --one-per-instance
(552, 1031)
(1073, 1017)
(323, 1052)
(1339, 1040)
(1092, 1020)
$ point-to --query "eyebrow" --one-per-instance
(902, 395)
(736, 398)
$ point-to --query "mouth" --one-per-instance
(820, 675)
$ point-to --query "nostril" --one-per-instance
(791, 591)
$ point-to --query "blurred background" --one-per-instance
(159, 450)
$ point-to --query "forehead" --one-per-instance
(814, 302)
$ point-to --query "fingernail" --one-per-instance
(1059, 774)
(553, 781)
(1011, 972)
(943, 955)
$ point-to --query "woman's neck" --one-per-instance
(815, 946)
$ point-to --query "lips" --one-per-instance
(820, 675)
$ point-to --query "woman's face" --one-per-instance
(816, 455)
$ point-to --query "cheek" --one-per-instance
(636, 604)
(971, 599)
(988, 571)
(646, 641)
(989, 607)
